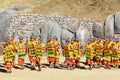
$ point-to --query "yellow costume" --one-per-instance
(110, 43)
(99, 50)
(77, 50)
(118, 51)
(21, 50)
(51, 51)
(31, 48)
(68, 52)
(107, 53)
(93, 46)
(39, 50)
(89, 52)
(21, 53)
(57, 51)
(13, 44)
(8, 56)
(115, 57)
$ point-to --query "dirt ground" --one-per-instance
(58, 74)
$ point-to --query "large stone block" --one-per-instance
(4, 22)
(83, 35)
(98, 30)
(109, 26)
(117, 22)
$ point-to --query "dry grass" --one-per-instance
(92, 9)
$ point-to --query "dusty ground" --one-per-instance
(59, 74)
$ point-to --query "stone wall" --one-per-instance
(27, 24)
(63, 27)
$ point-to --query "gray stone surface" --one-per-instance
(4, 22)
(83, 35)
(29, 22)
(117, 37)
(54, 25)
(51, 29)
(109, 26)
(98, 30)
(65, 26)
(117, 22)
(65, 34)
(73, 25)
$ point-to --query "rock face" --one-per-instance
(4, 22)
(51, 29)
(74, 25)
(83, 35)
(98, 30)
(62, 27)
(65, 34)
(117, 22)
(109, 26)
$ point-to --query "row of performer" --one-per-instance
(98, 52)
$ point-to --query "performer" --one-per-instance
(77, 51)
(74, 52)
(118, 51)
(107, 55)
(68, 51)
(57, 52)
(21, 49)
(115, 58)
(89, 55)
(31, 52)
(99, 53)
(8, 56)
(40, 48)
(93, 47)
(50, 52)
(13, 44)
(79, 48)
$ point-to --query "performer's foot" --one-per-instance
(51, 65)
(9, 71)
(68, 68)
(71, 68)
(90, 68)
(32, 67)
(22, 67)
(39, 68)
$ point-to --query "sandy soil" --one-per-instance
(59, 74)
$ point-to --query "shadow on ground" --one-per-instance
(3, 70)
